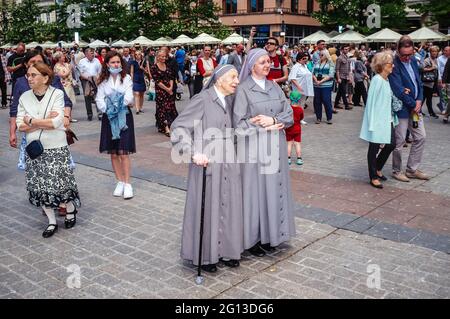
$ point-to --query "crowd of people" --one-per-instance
(260, 92)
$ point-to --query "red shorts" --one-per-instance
(296, 137)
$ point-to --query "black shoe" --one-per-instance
(69, 223)
(232, 263)
(267, 247)
(257, 251)
(49, 232)
(209, 268)
(382, 177)
(375, 185)
(99, 117)
(89, 117)
(4, 106)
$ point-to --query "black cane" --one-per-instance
(199, 279)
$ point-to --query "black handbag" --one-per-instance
(429, 76)
(35, 148)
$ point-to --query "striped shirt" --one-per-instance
(326, 69)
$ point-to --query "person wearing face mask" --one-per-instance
(261, 112)
(212, 108)
(407, 86)
(115, 98)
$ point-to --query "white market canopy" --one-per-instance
(120, 44)
(81, 44)
(181, 40)
(316, 36)
(98, 44)
(32, 45)
(349, 36)
(235, 39)
(48, 45)
(205, 39)
(144, 41)
(65, 45)
(162, 42)
(385, 35)
(6, 46)
(426, 34)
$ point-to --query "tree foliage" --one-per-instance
(336, 13)
(109, 20)
(437, 10)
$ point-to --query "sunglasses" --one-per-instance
(271, 43)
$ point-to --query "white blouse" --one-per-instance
(303, 76)
(109, 87)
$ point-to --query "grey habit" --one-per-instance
(267, 199)
(223, 229)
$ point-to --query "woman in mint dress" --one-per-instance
(378, 125)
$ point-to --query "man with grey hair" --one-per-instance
(90, 68)
(407, 86)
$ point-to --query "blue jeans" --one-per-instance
(323, 96)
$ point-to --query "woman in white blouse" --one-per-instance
(301, 78)
(115, 97)
(49, 177)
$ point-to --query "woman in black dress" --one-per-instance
(166, 111)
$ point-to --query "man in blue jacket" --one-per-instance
(406, 85)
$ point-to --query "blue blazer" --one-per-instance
(399, 80)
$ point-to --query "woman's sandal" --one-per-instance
(70, 222)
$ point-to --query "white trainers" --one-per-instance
(118, 192)
(303, 122)
(128, 191)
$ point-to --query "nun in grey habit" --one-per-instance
(262, 111)
(203, 131)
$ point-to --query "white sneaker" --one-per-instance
(118, 192)
(302, 122)
(128, 191)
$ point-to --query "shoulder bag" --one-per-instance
(35, 148)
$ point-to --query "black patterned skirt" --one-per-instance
(50, 179)
(123, 146)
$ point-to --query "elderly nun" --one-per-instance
(203, 131)
(261, 112)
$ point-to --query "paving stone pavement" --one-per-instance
(130, 249)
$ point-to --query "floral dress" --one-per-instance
(166, 112)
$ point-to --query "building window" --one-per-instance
(229, 6)
(294, 6)
(256, 5)
(310, 6)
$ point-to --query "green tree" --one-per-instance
(23, 22)
(155, 18)
(195, 17)
(336, 13)
(437, 10)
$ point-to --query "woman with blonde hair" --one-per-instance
(378, 121)
(49, 176)
(64, 71)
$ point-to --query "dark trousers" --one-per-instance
(360, 91)
(376, 159)
(342, 93)
(428, 98)
(88, 100)
(323, 96)
(3, 90)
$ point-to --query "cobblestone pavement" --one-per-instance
(130, 249)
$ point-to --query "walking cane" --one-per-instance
(199, 279)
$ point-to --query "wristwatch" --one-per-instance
(29, 122)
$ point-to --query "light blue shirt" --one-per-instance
(410, 70)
